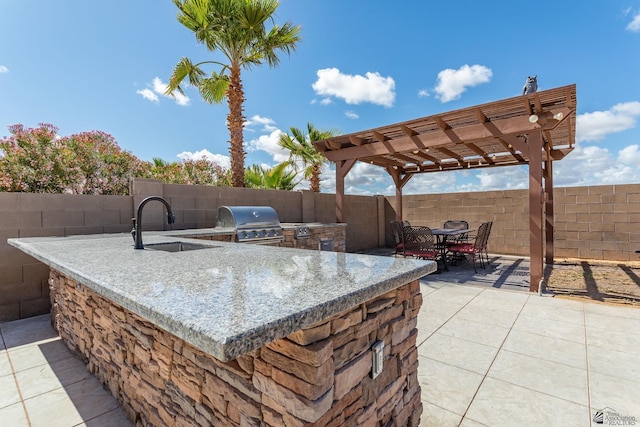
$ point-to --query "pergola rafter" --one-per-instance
(534, 129)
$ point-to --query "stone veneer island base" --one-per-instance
(320, 375)
(239, 335)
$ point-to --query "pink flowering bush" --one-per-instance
(37, 160)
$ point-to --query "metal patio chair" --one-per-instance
(477, 247)
(420, 242)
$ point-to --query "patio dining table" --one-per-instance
(442, 234)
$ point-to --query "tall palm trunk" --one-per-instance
(235, 122)
(314, 181)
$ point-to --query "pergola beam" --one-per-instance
(469, 133)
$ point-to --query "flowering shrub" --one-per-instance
(37, 160)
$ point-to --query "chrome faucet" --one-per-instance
(136, 232)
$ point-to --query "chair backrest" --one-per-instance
(482, 237)
(456, 224)
(419, 239)
(486, 236)
(406, 223)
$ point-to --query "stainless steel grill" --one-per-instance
(253, 224)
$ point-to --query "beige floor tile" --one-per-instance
(623, 365)
(435, 416)
(447, 386)
(457, 352)
(619, 339)
(71, 405)
(48, 377)
(28, 331)
(561, 351)
(477, 332)
(427, 288)
(622, 395)
(559, 313)
(432, 316)
(8, 391)
(5, 366)
(113, 418)
(466, 422)
(607, 322)
(543, 376)
(550, 328)
(27, 357)
(631, 312)
(460, 293)
(14, 416)
(556, 302)
(499, 403)
(488, 316)
(501, 300)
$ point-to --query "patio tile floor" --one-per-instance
(487, 357)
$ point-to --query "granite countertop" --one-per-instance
(230, 298)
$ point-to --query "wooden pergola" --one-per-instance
(534, 129)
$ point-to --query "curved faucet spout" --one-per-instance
(137, 221)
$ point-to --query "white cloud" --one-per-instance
(630, 155)
(593, 165)
(220, 159)
(634, 25)
(598, 124)
(157, 87)
(267, 124)
(3, 69)
(423, 93)
(355, 89)
(148, 94)
(351, 114)
(452, 83)
(268, 142)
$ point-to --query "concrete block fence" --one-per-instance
(597, 222)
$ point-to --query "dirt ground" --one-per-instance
(609, 282)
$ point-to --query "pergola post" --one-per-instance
(549, 215)
(398, 203)
(342, 169)
(535, 209)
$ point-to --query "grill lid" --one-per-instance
(252, 223)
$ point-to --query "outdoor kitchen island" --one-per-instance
(239, 334)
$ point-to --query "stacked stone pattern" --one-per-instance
(318, 376)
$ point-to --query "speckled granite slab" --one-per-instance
(228, 299)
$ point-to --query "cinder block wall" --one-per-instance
(24, 290)
(597, 222)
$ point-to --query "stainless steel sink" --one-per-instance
(177, 246)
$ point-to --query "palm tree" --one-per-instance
(301, 150)
(275, 178)
(237, 29)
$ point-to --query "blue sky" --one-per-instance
(86, 65)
